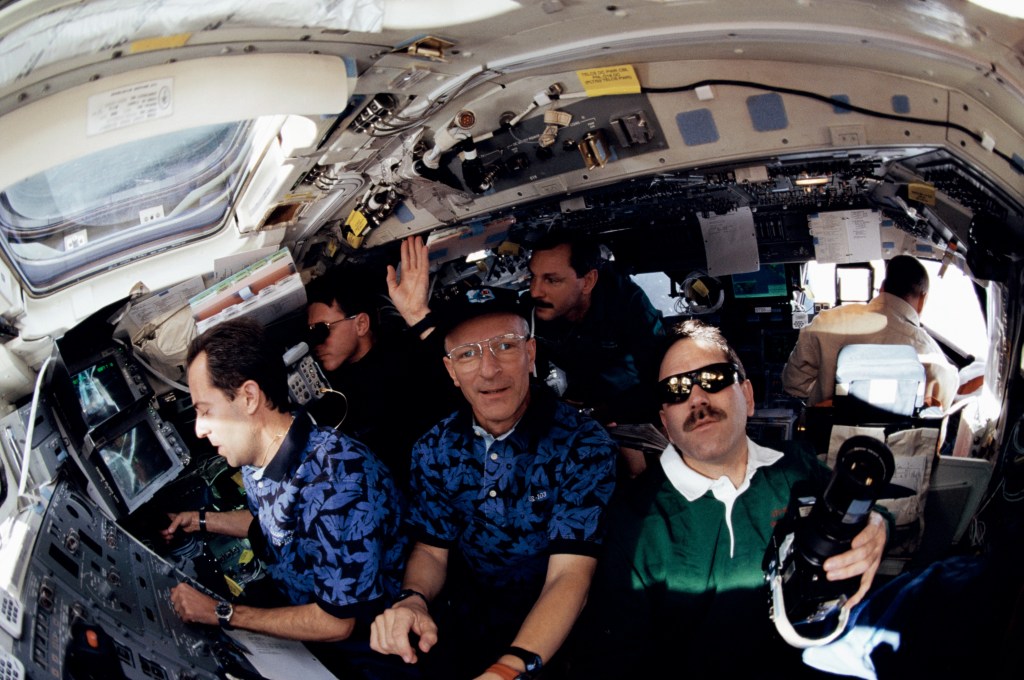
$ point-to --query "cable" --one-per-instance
(325, 390)
(386, 128)
(30, 431)
(837, 103)
(700, 294)
(130, 348)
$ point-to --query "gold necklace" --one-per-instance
(266, 451)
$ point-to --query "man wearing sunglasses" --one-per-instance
(371, 367)
(681, 583)
(508, 495)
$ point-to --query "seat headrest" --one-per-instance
(888, 377)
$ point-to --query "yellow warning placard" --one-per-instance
(610, 80)
(164, 42)
(923, 193)
(356, 222)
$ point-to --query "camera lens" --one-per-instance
(862, 471)
(864, 466)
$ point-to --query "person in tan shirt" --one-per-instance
(891, 318)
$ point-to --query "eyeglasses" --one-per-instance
(319, 331)
(503, 348)
(712, 378)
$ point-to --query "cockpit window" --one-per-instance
(95, 212)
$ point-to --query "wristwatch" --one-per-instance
(532, 660)
(225, 610)
(409, 592)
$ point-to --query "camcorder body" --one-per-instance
(806, 607)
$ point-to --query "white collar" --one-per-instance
(692, 484)
(489, 438)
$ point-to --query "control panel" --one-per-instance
(96, 597)
(48, 450)
(305, 382)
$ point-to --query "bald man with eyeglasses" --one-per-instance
(681, 583)
(508, 495)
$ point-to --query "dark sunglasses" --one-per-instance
(712, 378)
(319, 331)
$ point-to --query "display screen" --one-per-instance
(135, 460)
(767, 282)
(102, 391)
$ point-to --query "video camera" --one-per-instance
(806, 607)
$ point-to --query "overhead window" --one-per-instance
(116, 205)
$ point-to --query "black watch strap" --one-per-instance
(224, 610)
(532, 660)
(202, 521)
(409, 592)
(423, 324)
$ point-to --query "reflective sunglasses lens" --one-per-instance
(716, 383)
(318, 333)
(712, 379)
(675, 390)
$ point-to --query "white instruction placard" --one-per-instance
(846, 236)
(730, 242)
(130, 105)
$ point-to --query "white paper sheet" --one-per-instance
(278, 659)
(730, 242)
(846, 236)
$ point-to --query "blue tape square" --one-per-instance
(839, 108)
(403, 213)
(767, 112)
(900, 103)
(697, 127)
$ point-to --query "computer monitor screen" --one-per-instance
(767, 282)
(102, 391)
(135, 460)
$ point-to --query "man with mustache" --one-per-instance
(681, 582)
(598, 335)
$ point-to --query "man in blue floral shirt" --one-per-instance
(508, 496)
(327, 511)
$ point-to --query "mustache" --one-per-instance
(542, 304)
(703, 414)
